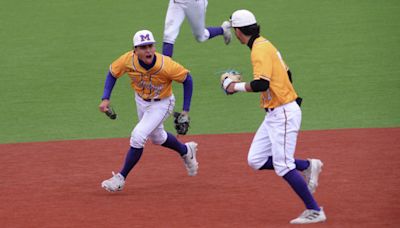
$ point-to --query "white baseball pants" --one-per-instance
(152, 115)
(194, 11)
(277, 137)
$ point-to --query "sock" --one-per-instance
(173, 143)
(300, 164)
(168, 49)
(268, 164)
(296, 181)
(215, 31)
(132, 157)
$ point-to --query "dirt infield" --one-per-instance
(57, 184)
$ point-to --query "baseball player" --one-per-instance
(151, 77)
(274, 143)
(195, 12)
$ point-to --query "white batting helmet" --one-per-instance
(143, 37)
(242, 18)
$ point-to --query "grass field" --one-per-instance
(55, 55)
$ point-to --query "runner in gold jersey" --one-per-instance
(274, 143)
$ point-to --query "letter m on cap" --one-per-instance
(145, 37)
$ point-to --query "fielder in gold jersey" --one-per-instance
(154, 83)
(151, 77)
(274, 143)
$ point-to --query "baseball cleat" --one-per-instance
(310, 216)
(190, 160)
(115, 183)
(311, 174)
(226, 26)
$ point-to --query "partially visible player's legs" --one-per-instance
(195, 13)
(273, 147)
(187, 151)
(226, 26)
(269, 165)
(296, 181)
(311, 169)
(173, 21)
(313, 213)
(173, 143)
(311, 174)
(260, 153)
(168, 49)
(260, 149)
(264, 148)
(301, 165)
(161, 137)
(132, 157)
(151, 115)
(283, 135)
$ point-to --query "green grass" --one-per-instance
(55, 54)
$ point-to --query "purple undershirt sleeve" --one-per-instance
(108, 86)
(187, 92)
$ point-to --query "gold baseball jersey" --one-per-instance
(155, 83)
(268, 65)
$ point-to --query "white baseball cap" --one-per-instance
(143, 37)
(241, 18)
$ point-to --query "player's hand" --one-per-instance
(231, 88)
(228, 80)
(103, 107)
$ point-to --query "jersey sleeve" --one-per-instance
(176, 71)
(119, 66)
(261, 60)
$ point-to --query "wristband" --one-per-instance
(240, 87)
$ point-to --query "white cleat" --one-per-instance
(310, 216)
(311, 174)
(115, 183)
(226, 26)
(190, 160)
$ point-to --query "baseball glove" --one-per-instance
(228, 77)
(182, 123)
(111, 113)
